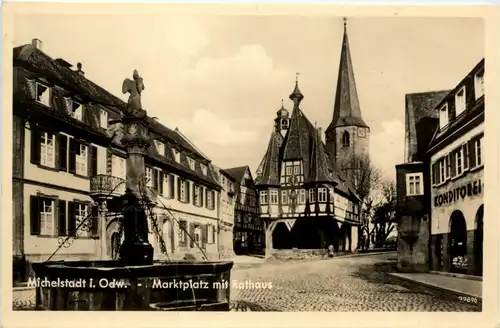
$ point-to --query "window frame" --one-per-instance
(284, 197)
(463, 101)
(273, 197)
(82, 160)
(444, 108)
(414, 179)
(44, 144)
(53, 231)
(312, 195)
(479, 86)
(322, 195)
(264, 197)
(49, 90)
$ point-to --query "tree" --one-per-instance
(365, 178)
(384, 214)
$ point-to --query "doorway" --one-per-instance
(458, 243)
(478, 242)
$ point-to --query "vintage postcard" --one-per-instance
(330, 162)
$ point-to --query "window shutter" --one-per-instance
(35, 204)
(154, 176)
(62, 144)
(35, 145)
(71, 219)
(95, 220)
(472, 153)
(453, 163)
(204, 234)
(448, 166)
(212, 205)
(179, 182)
(213, 234)
(93, 161)
(433, 172)
(466, 156)
(109, 162)
(171, 185)
(72, 155)
(194, 190)
(61, 227)
(191, 235)
(202, 195)
(187, 191)
(160, 182)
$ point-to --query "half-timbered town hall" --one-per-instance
(306, 200)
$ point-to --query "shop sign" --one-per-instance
(467, 190)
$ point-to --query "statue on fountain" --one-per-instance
(134, 87)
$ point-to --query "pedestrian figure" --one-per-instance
(330, 250)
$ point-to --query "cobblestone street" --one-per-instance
(348, 284)
(342, 284)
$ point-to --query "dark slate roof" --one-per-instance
(319, 170)
(269, 168)
(57, 72)
(423, 104)
(237, 172)
(346, 109)
(420, 112)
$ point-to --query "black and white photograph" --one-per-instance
(192, 161)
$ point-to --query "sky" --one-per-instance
(220, 78)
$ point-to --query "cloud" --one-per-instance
(387, 147)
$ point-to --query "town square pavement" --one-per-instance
(339, 284)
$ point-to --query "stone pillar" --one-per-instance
(269, 238)
(445, 255)
(103, 223)
(354, 238)
(471, 261)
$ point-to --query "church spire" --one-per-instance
(346, 109)
(296, 95)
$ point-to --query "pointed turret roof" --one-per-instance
(296, 96)
(270, 164)
(346, 110)
(319, 170)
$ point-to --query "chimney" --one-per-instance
(37, 43)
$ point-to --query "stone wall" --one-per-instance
(302, 254)
(415, 257)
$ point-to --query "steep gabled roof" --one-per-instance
(346, 109)
(269, 168)
(59, 73)
(237, 172)
(319, 169)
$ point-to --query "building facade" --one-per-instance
(248, 236)
(226, 212)
(306, 200)
(68, 160)
(413, 193)
(456, 155)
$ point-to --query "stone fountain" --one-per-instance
(134, 281)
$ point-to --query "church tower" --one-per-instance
(347, 136)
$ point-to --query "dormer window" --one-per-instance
(460, 101)
(103, 119)
(160, 147)
(42, 94)
(191, 163)
(479, 84)
(77, 110)
(177, 155)
(204, 170)
(443, 116)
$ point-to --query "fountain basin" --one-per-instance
(110, 286)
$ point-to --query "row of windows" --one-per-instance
(199, 234)
(467, 156)
(163, 183)
(43, 96)
(63, 153)
(321, 194)
(461, 100)
(75, 109)
(160, 147)
(51, 217)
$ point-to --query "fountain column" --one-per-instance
(135, 249)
